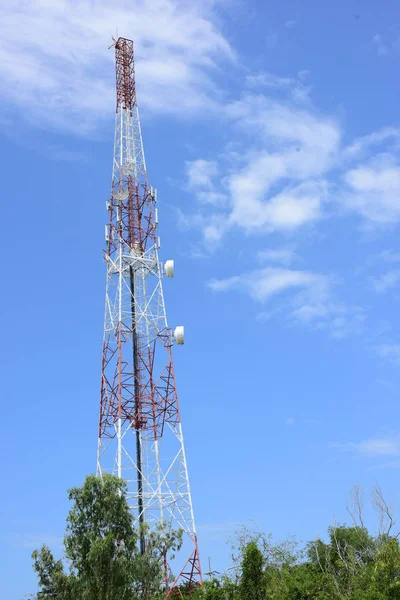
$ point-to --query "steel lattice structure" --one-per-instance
(140, 433)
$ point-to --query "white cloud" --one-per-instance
(212, 226)
(281, 178)
(269, 80)
(283, 256)
(374, 447)
(280, 126)
(301, 148)
(390, 352)
(56, 70)
(385, 282)
(306, 298)
(290, 421)
(213, 229)
(289, 145)
(262, 284)
(383, 258)
(201, 176)
(338, 319)
(201, 173)
(374, 191)
(271, 176)
(363, 145)
(371, 184)
(306, 313)
(389, 256)
(381, 46)
(55, 65)
(386, 45)
(285, 167)
(291, 208)
(295, 87)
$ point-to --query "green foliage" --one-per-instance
(381, 579)
(344, 558)
(351, 565)
(100, 541)
(52, 579)
(103, 561)
(216, 589)
(252, 581)
(101, 550)
(147, 570)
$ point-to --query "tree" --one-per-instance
(104, 563)
(381, 579)
(148, 569)
(101, 550)
(52, 579)
(252, 582)
(216, 589)
(344, 558)
(100, 541)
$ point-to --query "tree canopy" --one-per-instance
(102, 560)
(351, 565)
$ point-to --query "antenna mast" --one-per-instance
(140, 433)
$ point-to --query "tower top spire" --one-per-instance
(125, 73)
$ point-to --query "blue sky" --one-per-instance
(272, 133)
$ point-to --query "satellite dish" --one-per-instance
(169, 268)
(179, 335)
(120, 194)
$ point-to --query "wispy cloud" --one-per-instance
(390, 352)
(55, 65)
(389, 256)
(295, 87)
(201, 173)
(362, 146)
(373, 190)
(268, 80)
(275, 183)
(384, 446)
(286, 168)
(201, 180)
(306, 298)
(282, 256)
(292, 421)
(385, 45)
(338, 319)
(381, 46)
(262, 284)
(385, 282)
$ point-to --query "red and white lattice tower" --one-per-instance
(140, 431)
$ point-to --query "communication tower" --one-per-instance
(140, 433)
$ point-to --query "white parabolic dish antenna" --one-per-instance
(169, 268)
(179, 335)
